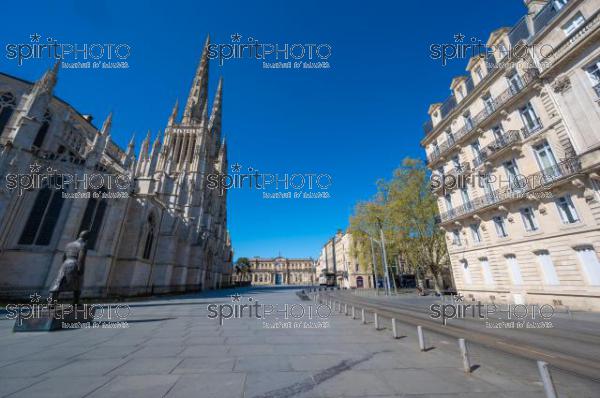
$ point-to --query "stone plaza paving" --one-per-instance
(172, 349)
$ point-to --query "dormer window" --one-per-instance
(460, 93)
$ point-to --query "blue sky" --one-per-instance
(354, 121)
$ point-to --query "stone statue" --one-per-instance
(70, 275)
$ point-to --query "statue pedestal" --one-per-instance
(57, 317)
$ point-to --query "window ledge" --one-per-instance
(533, 233)
(575, 225)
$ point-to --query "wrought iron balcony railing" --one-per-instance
(509, 138)
(516, 189)
(497, 103)
(597, 90)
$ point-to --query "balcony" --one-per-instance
(518, 189)
(496, 104)
(597, 90)
(490, 150)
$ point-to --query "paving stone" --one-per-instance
(209, 385)
(147, 386)
(204, 364)
(10, 385)
(63, 387)
(261, 363)
(146, 366)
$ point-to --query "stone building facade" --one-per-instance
(338, 251)
(517, 151)
(282, 271)
(155, 227)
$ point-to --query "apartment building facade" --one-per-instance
(349, 273)
(515, 160)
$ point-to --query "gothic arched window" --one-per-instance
(7, 106)
(41, 134)
(92, 218)
(149, 238)
(43, 217)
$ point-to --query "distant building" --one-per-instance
(518, 147)
(280, 271)
(169, 232)
(336, 256)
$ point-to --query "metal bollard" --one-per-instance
(346, 309)
(421, 338)
(340, 309)
(394, 329)
(549, 388)
(464, 353)
(353, 312)
(376, 321)
(362, 315)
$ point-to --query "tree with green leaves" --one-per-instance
(243, 268)
(405, 209)
(412, 210)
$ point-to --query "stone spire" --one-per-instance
(145, 147)
(214, 125)
(199, 90)
(222, 158)
(130, 153)
(131, 146)
(102, 136)
(173, 117)
(48, 81)
(106, 126)
(154, 155)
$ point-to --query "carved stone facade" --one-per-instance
(163, 232)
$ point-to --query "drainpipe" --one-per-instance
(333, 259)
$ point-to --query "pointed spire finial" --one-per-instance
(47, 81)
(157, 140)
(56, 67)
(132, 141)
(214, 125)
(145, 145)
(174, 112)
(107, 124)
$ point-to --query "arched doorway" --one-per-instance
(359, 282)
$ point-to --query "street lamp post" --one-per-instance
(384, 256)
(374, 264)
